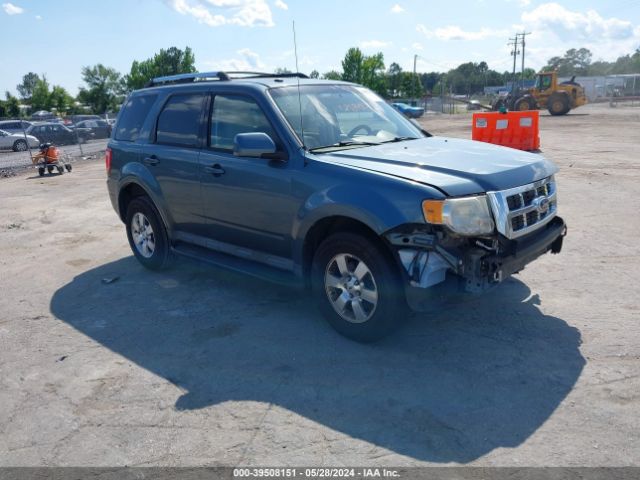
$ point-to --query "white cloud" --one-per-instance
(454, 32)
(564, 22)
(248, 60)
(11, 9)
(521, 3)
(556, 29)
(417, 46)
(245, 13)
(374, 44)
(397, 8)
(38, 17)
(281, 4)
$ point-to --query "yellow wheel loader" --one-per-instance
(558, 98)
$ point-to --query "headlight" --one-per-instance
(464, 216)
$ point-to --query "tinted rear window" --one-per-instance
(132, 117)
(179, 121)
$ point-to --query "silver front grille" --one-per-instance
(521, 210)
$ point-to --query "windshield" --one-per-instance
(341, 116)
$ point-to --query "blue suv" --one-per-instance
(322, 185)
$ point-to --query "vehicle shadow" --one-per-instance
(446, 388)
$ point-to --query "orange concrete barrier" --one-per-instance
(512, 129)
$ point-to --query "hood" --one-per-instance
(454, 166)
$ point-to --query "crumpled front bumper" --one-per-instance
(476, 271)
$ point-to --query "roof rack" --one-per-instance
(220, 76)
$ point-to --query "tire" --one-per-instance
(68, 167)
(498, 104)
(50, 170)
(339, 287)
(524, 104)
(20, 146)
(150, 247)
(60, 170)
(41, 172)
(558, 105)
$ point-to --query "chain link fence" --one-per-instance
(20, 141)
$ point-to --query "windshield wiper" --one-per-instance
(344, 143)
(399, 139)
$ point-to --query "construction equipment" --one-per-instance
(50, 158)
(558, 98)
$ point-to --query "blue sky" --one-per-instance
(58, 38)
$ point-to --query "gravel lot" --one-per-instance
(197, 366)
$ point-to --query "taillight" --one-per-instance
(107, 160)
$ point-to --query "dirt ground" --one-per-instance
(103, 363)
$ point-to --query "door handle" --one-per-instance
(151, 161)
(216, 170)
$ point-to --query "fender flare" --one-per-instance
(137, 174)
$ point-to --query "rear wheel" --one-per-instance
(147, 234)
(558, 105)
(41, 171)
(357, 288)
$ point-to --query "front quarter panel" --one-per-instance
(376, 200)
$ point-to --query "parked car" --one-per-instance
(17, 141)
(43, 115)
(58, 134)
(99, 128)
(15, 126)
(474, 105)
(408, 110)
(321, 184)
(72, 120)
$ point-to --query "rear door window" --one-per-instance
(131, 119)
(180, 119)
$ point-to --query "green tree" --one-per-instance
(332, 75)
(41, 96)
(574, 62)
(352, 66)
(11, 105)
(393, 75)
(314, 74)
(373, 73)
(104, 87)
(60, 99)
(172, 61)
(25, 89)
(429, 80)
(282, 71)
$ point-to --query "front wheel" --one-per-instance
(20, 146)
(357, 288)
(147, 234)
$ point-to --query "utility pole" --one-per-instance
(415, 59)
(523, 35)
(514, 43)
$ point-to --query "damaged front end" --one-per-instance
(437, 263)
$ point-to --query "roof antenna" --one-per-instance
(295, 50)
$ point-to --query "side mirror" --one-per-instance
(254, 144)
